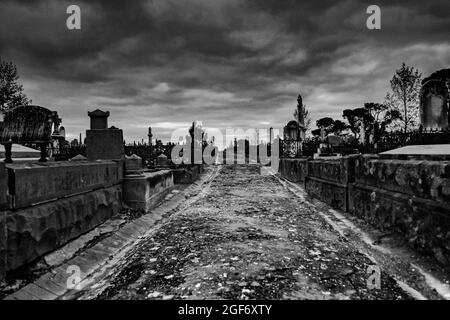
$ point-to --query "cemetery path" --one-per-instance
(246, 236)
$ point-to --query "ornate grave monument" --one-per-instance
(294, 132)
(433, 137)
(327, 143)
(29, 124)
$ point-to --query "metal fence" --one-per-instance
(290, 148)
(389, 141)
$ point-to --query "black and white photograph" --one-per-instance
(223, 158)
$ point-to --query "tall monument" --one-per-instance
(150, 136)
(103, 143)
(301, 117)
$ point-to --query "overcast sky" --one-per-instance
(228, 63)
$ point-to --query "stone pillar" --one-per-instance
(433, 105)
(103, 143)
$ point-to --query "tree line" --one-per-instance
(398, 111)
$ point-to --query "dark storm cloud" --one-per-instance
(227, 62)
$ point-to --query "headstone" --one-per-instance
(103, 143)
(99, 119)
(133, 164)
(162, 160)
(433, 105)
(291, 131)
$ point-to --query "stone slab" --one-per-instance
(39, 182)
(59, 276)
(19, 151)
(21, 295)
(40, 293)
(86, 264)
(50, 285)
(432, 149)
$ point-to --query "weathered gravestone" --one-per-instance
(28, 124)
(433, 105)
(103, 143)
(291, 131)
(133, 165)
(162, 160)
(99, 119)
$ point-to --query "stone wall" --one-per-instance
(407, 196)
(143, 192)
(294, 170)
(37, 230)
(45, 205)
(411, 197)
(328, 180)
(425, 224)
(420, 178)
(40, 182)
